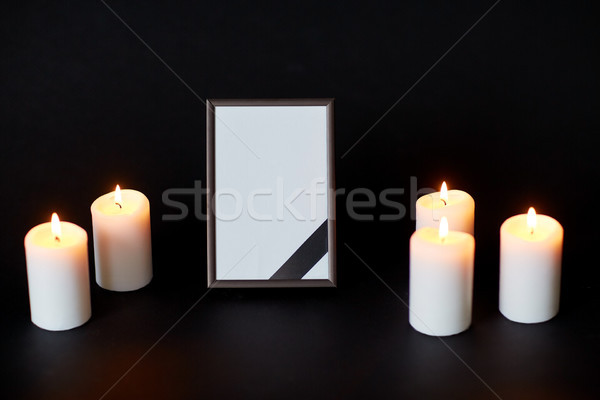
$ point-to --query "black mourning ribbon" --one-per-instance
(305, 257)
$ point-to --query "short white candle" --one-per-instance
(456, 205)
(122, 241)
(58, 275)
(530, 267)
(441, 280)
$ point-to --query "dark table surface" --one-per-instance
(499, 99)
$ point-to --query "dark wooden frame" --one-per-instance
(211, 189)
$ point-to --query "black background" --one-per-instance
(510, 115)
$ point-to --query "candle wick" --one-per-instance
(443, 201)
(118, 205)
(532, 231)
(56, 238)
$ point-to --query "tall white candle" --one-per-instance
(58, 275)
(441, 280)
(530, 267)
(122, 241)
(456, 205)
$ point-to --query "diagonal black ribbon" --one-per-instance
(305, 257)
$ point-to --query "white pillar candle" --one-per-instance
(58, 275)
(122, 242)
(456, 205)
(441, 280)
(530, 267)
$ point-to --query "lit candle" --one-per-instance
(441, 280)
(57, 275)
(530, 267)
(456, 205)
(122, 243)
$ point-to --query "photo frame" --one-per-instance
(271, 193)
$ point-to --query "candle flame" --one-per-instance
(444, 193)
(118, 199)
(55, 227)
(531, 219)
(443, 232)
